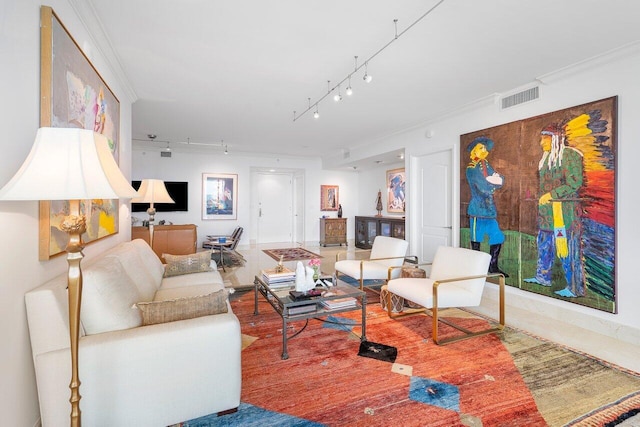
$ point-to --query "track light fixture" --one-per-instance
(367, 77)
(338, 96)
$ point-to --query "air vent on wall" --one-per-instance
(520, 97)
(165, 154)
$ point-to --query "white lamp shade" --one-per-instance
(153, 191)
(68, 164)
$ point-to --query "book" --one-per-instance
(301, 309)
(339, 303)
(271, 273)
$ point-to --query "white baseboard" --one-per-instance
(612, 342)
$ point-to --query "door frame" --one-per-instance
(413, 215)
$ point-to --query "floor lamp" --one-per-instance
(152, 191)
(70, 164)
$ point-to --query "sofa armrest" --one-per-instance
(147, 376)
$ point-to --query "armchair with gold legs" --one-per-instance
(457, 279)
(386, 252)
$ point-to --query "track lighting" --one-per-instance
(366, 77)
(225, 150)
(338, 96)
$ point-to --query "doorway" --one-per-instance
(432, 217)
(277, 198)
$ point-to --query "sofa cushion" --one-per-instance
(206, 278)
(184, 264)
(149, 259)
(183, 308)
(132, 261)
(186, 291)
(107, 296)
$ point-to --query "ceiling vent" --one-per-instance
(165, 154)
(520, 97)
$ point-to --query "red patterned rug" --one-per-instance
(290, 254)
(509, 380)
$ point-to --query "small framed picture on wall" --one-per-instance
(329, 198)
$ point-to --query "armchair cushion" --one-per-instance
(183, 308)
(184, 264)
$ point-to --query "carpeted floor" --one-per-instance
(290, 254)
(516, 380)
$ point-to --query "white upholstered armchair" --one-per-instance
(386, 252)
(457, 279)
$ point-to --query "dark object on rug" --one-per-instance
(377, 351)
(290, 254)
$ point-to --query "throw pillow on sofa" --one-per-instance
(183, 308)
(185, 264)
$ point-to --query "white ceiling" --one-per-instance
(207, 71)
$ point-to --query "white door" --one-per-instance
(433, 176)
(274, 198)
(298, 208)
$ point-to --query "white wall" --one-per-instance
(613, 337)
(20, 269)
(190, 166)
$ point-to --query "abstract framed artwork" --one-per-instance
(219, 196)
(329, 198)
(539, 195)
(395, 190)
(73, 94)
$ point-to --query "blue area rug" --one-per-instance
(250, 416)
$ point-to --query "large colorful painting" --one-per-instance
(395, 190)
(219, 196)
(540, 196)
(74, 95)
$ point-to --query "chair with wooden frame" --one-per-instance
(457, 279)
(386, 252)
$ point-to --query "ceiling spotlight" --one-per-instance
(367, 77)
(225, 150)
(315, 113)
(349, 91)
(337, 97)
(151, 136)
(168, 148)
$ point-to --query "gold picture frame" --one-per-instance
(395, 190)
(329, 200)
(74, 95)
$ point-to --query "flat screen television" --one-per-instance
(179, 192)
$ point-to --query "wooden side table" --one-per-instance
(333, 231)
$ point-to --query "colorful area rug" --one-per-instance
(513, 380)
(290, 254)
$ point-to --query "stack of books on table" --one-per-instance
(301, 309)
(281, 279)
(334, 304)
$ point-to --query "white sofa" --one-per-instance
(133, 375)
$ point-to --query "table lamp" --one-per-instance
(70, 164)
(152, 191)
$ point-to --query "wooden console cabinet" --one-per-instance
(333, 231)
(368, 227)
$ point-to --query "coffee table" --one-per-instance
(285, 306)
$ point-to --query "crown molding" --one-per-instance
(89, 18)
